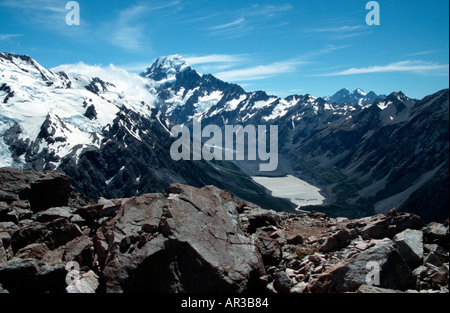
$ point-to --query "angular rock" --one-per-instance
(270, 250)
(9, 227)
(87, 283)
(187, 241)
(62, 231)
(410, 245)
(42, 190)
(337, 241)
(259, 218)
(437, 233)
(439, 277)
(404, 221)
(282, 282)
(30, 232)
(80, 250)
(34, 251)
(29, 275)
(351, 274)
(295, 240)
(434, 259)
(378, 228)
(54, 213)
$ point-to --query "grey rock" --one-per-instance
(437, 233)
(259, 218)
(434, 259)
(10, 228)
(29, 275)
(195, 244)
(42, 190)
(54, 213)
(375, 289)
(87, 283)
(282, 282)
(337, 241)
(378, 228)
(295, 240)
(80, 250)
(351, 274)
(410, 245)
(34, 250)
(3, 254)
(270, 250)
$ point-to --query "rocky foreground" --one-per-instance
(203, 240)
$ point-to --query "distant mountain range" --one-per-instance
(367, 152)
(358, 96)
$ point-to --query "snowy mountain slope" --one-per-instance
(72, 108)
(183, 94)
(111, 136)
(108, 138)
(347, 144)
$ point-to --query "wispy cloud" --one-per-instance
(9, 36)
(236, 23)
(216, 62)
(42, 12)
(243, 21)
(418, 67)
(339, 29)
(426, 52)
(260, 71)
(127, 29)
(215, 58)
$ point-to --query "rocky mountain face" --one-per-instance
(203, 240)
(110, 142)
(367, 153)
(357, 97)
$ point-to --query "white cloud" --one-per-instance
(338, 29)
(127, 32)
(9, 36)
(426, 52)
(248, 19)
(259, 72)
(231, 24)
(130, 83)
(418, 67)
(215, 58)
(43, 12)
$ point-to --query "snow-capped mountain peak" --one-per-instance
(165, 69)
(358, 96)
(359, 92)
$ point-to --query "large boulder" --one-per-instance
(189, 240)
(410, 245)
(394, 272)
(42, 189)
(30, 275)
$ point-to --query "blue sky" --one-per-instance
(282, 47)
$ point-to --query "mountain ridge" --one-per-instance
(330, 145)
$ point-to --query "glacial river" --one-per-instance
(296, 190)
